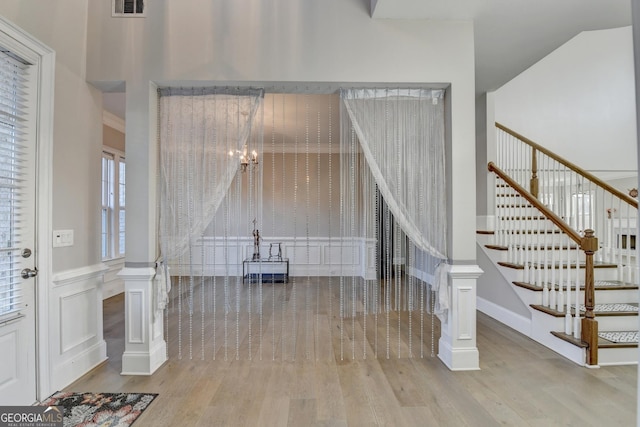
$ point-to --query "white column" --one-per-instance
(144, 348)
(457, 345)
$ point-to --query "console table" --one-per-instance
(265, 270)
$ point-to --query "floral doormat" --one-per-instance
(100, 409)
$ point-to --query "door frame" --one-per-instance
(44, 60)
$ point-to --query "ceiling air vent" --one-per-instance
(129, 8)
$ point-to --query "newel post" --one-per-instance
(589, 245)
(457, 345)
(533, 183)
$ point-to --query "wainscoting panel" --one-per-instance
(304, 254)
(8, 356)
(75, 313)
(113, 284)
(75, 306)
(317, 256)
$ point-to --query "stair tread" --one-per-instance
(600, 285)
(602, 343)
(527, 217)
(598, 312)
(570, 338)
(530, 247)
(511, 265)
(554, 231)
(497, 247)
(596, 264)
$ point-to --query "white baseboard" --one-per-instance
(502, 315)
(144, 363)
(459, 359)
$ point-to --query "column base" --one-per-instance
(458, 359)
(142, 362)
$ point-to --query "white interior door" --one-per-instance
(17, 231)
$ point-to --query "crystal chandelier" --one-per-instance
(246, 159)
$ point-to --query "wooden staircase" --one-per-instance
(539, 262)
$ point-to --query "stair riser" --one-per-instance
(617, 323)
(526, 224)
(602, 297)
(615, 296)
(533, 274)
(627, 274)
(617, 356)
(518, 211)
(605, 323)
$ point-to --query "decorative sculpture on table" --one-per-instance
(277, 256)
(256, 242)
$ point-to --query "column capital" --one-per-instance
(465, 271)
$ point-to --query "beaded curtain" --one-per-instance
(317, 185)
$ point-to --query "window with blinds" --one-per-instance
(13, 115)
(113, 204)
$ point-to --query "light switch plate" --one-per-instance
(62, 238)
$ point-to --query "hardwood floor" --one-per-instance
(521, 383)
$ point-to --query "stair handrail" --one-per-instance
(625, 197)
(562, 225)
(588, 243)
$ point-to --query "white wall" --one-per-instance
(77, 124)
(578, 101)
(74, 312)
(250, 41)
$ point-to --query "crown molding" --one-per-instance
(113, 121)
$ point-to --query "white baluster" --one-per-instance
(560, 296)
(513, 227)
(544, 273)
(628, 231)
(552, 293)
(526, 260)
(619, 243)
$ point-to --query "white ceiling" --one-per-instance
(510, 35)
(114, 102)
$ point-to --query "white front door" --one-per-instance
(18, 253)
